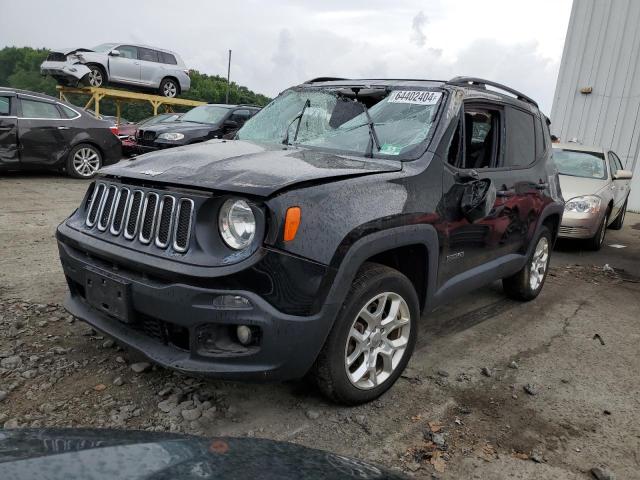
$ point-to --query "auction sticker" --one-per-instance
(416, 97)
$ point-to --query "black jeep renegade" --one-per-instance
(314, 241)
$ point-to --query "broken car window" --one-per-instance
(580, 164)
(333, 120)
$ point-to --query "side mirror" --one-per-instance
(477, 199)
(230, 124)
(623, 175)
(114, 53)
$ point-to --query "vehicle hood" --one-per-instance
(181, 127)
(74, 454)
(578, 186)
(244, 167)
(67, 51)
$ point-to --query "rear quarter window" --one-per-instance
(521, 138)
(5, 106)
(167, 58)
(35, 109)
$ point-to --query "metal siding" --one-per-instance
(602, 50)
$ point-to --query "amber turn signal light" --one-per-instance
(291, 223)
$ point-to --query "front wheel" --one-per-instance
(84, 161)
(372, 338)
(169, 88)
(526, 284)
(96, 77)
(596, 242)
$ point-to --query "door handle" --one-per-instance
(4, 129)
(62, 128)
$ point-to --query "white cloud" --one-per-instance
(276, 45)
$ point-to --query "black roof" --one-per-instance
(19, 91)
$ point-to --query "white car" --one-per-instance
(117, 63)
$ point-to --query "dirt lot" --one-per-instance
(496, 389)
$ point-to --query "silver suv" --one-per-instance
(117, 63)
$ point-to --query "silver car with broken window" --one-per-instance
(595, 187)
(119, 63)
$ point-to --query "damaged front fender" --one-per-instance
(65, 71)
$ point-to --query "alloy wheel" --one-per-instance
(170, 90)
(86, 162)
(539, 263)
(377, 340)
(95, 77)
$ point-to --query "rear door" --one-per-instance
(149, 65)
(126, 66)
(8, 131)
(43, 131)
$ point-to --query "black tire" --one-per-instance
(74, 167)
(595, 243)
(330, 369)
(169, 88)
(619, 221)
(97, 77)
(519, 286)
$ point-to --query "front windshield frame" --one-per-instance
(415, 152)
(104, 47)
(598, 155)
(223, 109)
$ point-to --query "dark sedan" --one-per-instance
(197, 125)
(40, 132)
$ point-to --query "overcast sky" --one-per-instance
(280, 43)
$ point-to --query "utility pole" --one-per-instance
(228, 77)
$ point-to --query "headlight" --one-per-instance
(171, 136)
(237, 224)
(586, 204)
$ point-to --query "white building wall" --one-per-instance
(602, 51)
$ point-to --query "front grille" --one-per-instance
(57, 57)
(572, 230)
(148, 217)
(145, 137)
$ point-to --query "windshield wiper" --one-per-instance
(285, 140)
(372, 133)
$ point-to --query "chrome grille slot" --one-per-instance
(122, 202)
(107, 206)
(133, 215)
(94, 206)
(165, 221)
(182, 232)
(148, 217)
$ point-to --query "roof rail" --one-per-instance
(481, 83)
(324, 79)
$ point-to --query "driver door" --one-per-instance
(126, 66)
(8, 132)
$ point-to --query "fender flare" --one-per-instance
(381, 241)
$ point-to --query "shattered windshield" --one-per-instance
(579, 163)
(394, 120)
(104, 47)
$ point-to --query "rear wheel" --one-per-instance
(619, 221)
(372, 338)
(96, 77)
(84, 161)
(169, 88)
(527, 283)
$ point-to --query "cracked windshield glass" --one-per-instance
(376, 121)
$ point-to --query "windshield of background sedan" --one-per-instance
(205, 114)
(580, 164)
(335, 120)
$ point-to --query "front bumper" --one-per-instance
(74, 71)
(580, 225)
(288, 344)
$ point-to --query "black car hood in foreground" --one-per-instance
(76, 454)
(244, 167)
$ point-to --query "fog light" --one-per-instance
(244, 334)
(232, 302)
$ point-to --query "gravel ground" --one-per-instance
(495, 389)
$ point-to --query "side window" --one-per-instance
(240, 116)
(540, 138)
(35, 109)
(5, 106)
(455, 147)
(167, 58)
(616, 159)
(520, 145)
(481, 144)
(67, 112)
(147, 55)
(128, 51)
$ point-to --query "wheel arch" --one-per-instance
(175, 79)
(104, 69)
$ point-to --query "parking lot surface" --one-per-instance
(495, 389)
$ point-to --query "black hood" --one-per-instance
(181, 127)
(245, 167)
(77, 454)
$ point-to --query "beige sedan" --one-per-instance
(595, 187)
